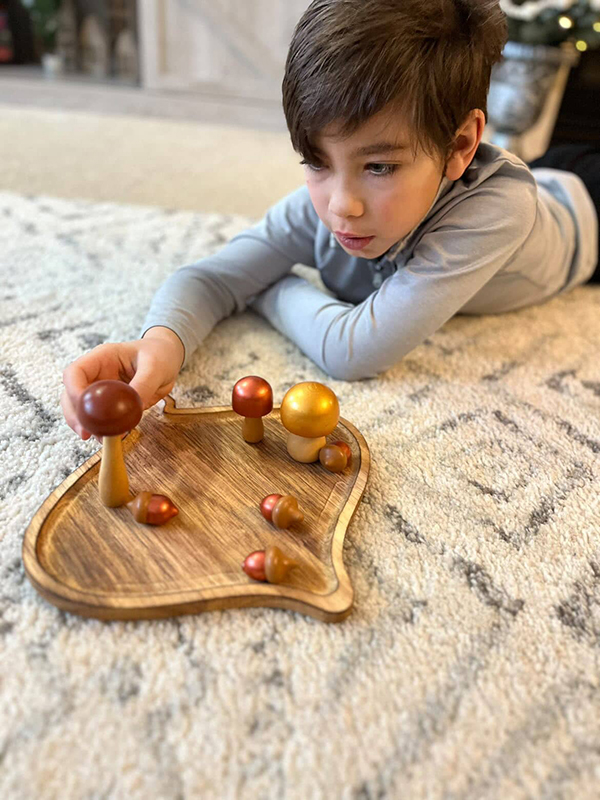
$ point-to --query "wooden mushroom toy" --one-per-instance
(309, 412)
(109, 409)
(269, 565)
(281, 510)
(252, 398)
(152, 509)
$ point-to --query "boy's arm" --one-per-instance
(449, 266)
(196, 297)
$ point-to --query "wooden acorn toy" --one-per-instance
(270, 565)
(252, 398)
(336, 456)
(152, 509)
(109, 409)
(309, 412)
(281, 510)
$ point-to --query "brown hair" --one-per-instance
(429, 59)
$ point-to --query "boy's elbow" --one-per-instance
(351, 372)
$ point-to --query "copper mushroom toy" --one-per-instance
(252, 398)
(309, 412)
(109, 409)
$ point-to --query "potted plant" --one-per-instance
(44, 17)
(545, 39)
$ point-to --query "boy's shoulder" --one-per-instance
(497, 184)
(495, 168)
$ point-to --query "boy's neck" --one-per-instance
(391, 254)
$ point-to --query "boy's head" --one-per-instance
(366, 72)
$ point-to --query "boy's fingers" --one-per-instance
(71, 417)
(78, 375)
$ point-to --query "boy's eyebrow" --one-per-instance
(370, 149)
(379, 147)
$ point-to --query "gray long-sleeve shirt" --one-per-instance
(500, 238)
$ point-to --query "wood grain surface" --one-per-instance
(99, 562)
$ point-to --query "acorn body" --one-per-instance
(267, 504)
(152, 509)
(254, 565)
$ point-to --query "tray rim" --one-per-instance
(332, 607)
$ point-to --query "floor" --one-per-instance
(81, 140)
(27, 86)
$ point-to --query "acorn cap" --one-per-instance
(277, 564)
(310, 409)
(252, 397)
(109, 408)
(333, 458)
(286, 512)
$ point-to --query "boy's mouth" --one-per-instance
(353, 242)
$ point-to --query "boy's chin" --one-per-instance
(373, 250)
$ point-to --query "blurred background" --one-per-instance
(177, 102)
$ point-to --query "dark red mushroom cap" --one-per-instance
(109, 408)
(252, 397)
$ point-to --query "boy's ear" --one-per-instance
(465, 144)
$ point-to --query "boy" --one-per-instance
(407, 216)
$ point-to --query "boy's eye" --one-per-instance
(382, 169)
(312, 166)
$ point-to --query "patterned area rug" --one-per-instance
(469, 667)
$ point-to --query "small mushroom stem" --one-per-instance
(113, 482)
(253, 429)
(303, 449)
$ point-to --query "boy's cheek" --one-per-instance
(320, 204)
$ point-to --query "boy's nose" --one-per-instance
(344, 204)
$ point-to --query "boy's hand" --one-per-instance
(150, 365)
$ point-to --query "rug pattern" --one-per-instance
(470, 667)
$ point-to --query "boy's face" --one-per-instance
(368, 188)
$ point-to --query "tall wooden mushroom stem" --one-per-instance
(109, 409)
(113, 482)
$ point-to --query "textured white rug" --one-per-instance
(470, 667)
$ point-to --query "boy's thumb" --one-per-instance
(147, 386)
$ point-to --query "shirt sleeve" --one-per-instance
(196, 297)
(449, 265)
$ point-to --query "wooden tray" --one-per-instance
(99, 562)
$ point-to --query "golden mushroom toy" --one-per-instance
(309, 412)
